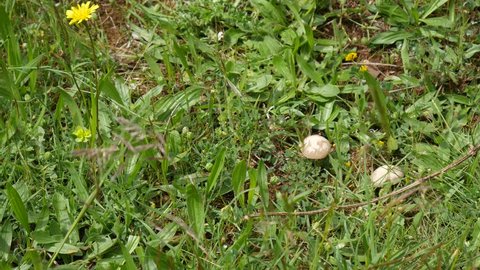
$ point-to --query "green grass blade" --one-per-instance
(252, 190)
(390, 37)
(380, 102)
(263, 183)
(196, 212)
(434, 5)
(129, 263)
(18, 207)
(7, 33)
(238, 181)
(216, 170)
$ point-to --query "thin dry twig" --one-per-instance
(370, 64)
(472, 152)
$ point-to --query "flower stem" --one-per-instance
(94, 93)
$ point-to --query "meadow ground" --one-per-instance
(167, 134)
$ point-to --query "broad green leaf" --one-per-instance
(66, 248)
(181, 53)
(434, 5)
(165, 22)
(242, 239)
(308, 70)
(380, 101)
(66, 99)
(7, 34)
(238, 181)
(392, 144)
(44, 237)
(391, 37)
(472, 51)
(61, 211)
(169, 106)
(232, 35)
(196, 212)
(132, 243)
(6, 84)
(79, 182)
(263, 183)
(27, 68)
(269, 10)
(108, 88)
(5, 240)
(154, 67)
(216, 170)
(438, 22)
(281, 67)
(327, 90)
(18, 207)
(101, 246)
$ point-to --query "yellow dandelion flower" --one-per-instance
(380, 143)
(351, 57)
(363, 68)
(81, 12)
(82, 134)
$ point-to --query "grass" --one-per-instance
(197, 110)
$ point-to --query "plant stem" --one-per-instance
(87, 204)
(94, 93)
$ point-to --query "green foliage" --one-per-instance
(197, 110)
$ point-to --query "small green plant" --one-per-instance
(167, 134)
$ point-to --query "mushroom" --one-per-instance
(315, 147)
(386, 173)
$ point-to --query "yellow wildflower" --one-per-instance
(81, 13)
(82, 134)
(351, 57)
(380, 143)
(363, 68)
(348, 164)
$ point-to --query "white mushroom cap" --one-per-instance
(386, 173)
(316, 147)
